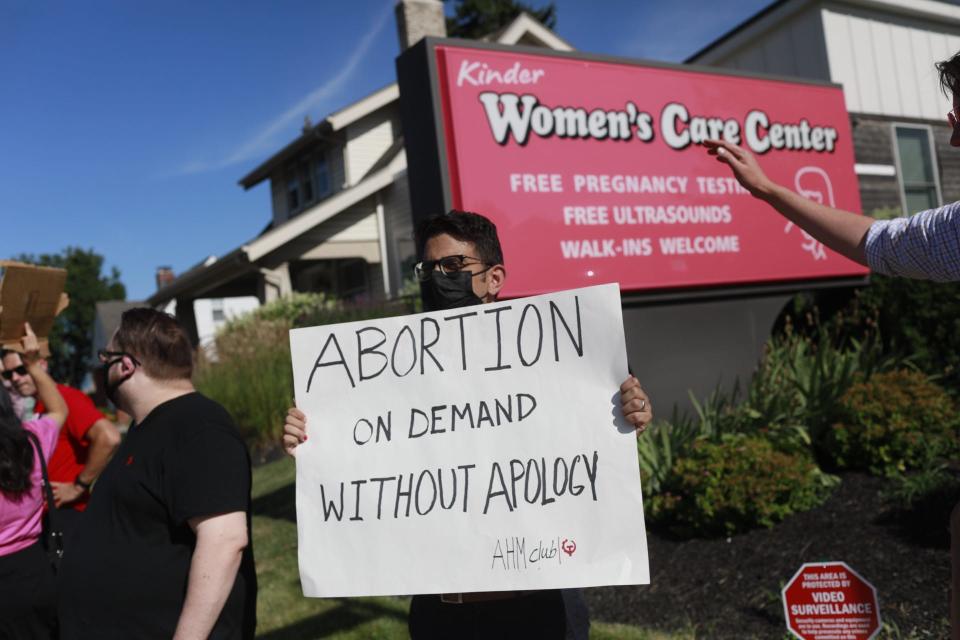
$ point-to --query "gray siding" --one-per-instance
(874, 144)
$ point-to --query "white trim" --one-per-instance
(934, 10)
(365, 106)
(382, 232)
(934, 167)
(276, 238)
(524, 25)
(931, 9)
(731, 41)
(875, 169)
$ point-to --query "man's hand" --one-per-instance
(635, 404)
(294, 430)
(65, 493)
(745, 167)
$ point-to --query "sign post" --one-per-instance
(830, 601)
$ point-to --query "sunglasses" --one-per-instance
(8, 373)
(447, 264)
(112, 357)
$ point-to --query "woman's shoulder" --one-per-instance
(46, 429)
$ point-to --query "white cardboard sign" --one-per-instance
(475, 449)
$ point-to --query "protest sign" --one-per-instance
(29, 294)
(475, 449)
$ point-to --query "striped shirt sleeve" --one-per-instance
(924, 246)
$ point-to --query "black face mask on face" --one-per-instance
(442, 292)
(112, 387)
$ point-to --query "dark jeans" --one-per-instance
(539, 614)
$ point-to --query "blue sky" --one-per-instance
(125, 126)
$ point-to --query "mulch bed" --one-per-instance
(730, 587)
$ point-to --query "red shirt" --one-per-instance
(70, 455)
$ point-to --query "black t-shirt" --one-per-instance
(124, 572)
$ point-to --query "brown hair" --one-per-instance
(464, 226)
(950, 75)
(158, 341)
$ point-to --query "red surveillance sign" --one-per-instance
(830, 601)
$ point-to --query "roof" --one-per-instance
(106, 320)
(524, 26)
(108, 312)
(755, 18)
(333, 123)
(211, 273)
(936, 10)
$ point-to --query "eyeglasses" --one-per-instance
(448, 265)
(8, 373)
(110, 358)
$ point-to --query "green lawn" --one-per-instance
(283, 612)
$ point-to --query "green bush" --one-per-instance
(916, 319)
(921, 319)
(893, 422)
(794, 395)
(735, 484)
(251, 376)
(249, 371)
(659, 448)
(290, 309)
(334, 314)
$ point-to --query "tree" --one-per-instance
(72, 335)
(478, 18)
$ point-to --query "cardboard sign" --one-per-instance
(830, 601)
(30, 294)
(592, 170)
(474, 449)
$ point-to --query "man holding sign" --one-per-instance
(462, 267)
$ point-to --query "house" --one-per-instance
(882, 52)
(340, 220)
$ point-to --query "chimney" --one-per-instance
(164, 277)
(419, 18)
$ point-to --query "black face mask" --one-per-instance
(442, 292)
(111, 387)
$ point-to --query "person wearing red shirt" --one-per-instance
(85, 445)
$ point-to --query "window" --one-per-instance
(293, 194)
(218, 315)
(321, 173)
(351, 278)
(306, 183)
(919, 183)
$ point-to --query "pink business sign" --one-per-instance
(592, 172)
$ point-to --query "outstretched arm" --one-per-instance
(843, 231)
